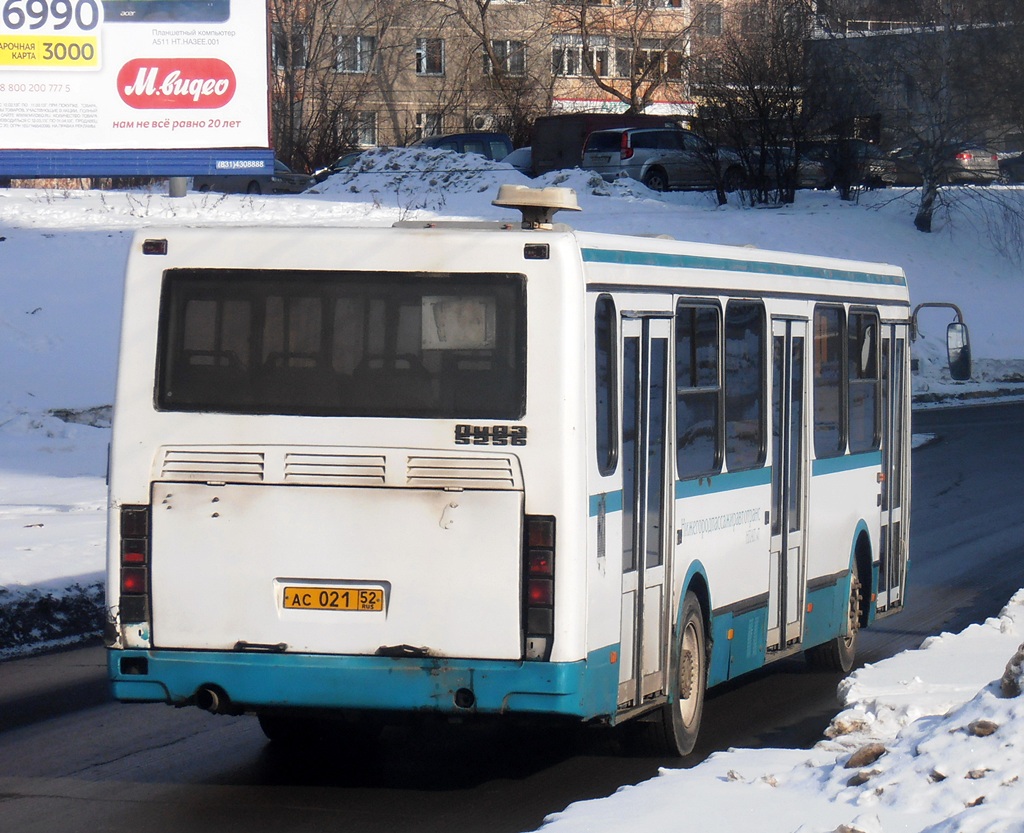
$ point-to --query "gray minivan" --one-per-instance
(661, 158)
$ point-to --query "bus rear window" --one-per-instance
(314, 343)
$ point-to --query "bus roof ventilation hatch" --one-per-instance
(538, 205)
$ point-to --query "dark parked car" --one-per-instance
(851, 162)
(1011, 168)
(661, 158)
(782, 167)
(346, 160)
(494, 146)
(522, 160)
(959, 165)
(283, 181)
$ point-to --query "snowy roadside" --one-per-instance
(928, 741)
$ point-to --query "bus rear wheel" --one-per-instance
(673, 730)
(838, 654)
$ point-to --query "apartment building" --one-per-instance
(379, 72)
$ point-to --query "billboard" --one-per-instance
(126, 86)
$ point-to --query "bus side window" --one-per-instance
(744, 385)
(863, 382)
(698, 390)
(829, 414)
(606, 384)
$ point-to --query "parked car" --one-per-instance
(346, 160)
(972, 164)
(782, 167)
(661, 158)
(558, 140)
(959, 165)
(521, 159)
(1011, 168)
(283, 181)
(494, 146)
(851, 162)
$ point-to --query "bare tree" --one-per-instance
(511, 41)
(631, 51)
(750, 78)
(313, 103)
(930, 75)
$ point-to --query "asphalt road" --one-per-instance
(72, 760)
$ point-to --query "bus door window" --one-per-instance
(787, 568)
(646, 507)
(893, 554)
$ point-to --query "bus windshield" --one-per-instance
(326, 343)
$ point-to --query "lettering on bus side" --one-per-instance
(490, 434)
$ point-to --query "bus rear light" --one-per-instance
(540, 532)
(538, 586)
(540, 591)
(135, 549)
(133, 580)
(540, 563)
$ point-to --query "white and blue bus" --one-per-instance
(497, 469)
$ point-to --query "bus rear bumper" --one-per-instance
(252, 681)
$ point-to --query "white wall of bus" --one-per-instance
(737, 568)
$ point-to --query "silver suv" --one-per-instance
(661, 158)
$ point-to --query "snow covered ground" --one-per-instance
(62, 255)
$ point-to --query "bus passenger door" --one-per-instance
(647, 506)
(894, 530)
(787, 565)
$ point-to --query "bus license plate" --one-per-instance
(334, 598)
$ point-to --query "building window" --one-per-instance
(429, 56)
(428, 124)
(288, 51)
(510, 56)
(357, 53)
(359, 128)
(570, 59)
(710, 20)
(675, 62)
(567, 56)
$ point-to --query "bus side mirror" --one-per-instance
(958, 351)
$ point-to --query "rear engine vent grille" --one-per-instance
(341, 469)
(207, 466)
(461, 472)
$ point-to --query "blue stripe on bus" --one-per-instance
(848, 462)
(584, 689)
(722, 264)
(612, 502)
(728, 482)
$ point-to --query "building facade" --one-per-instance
(362, 73)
